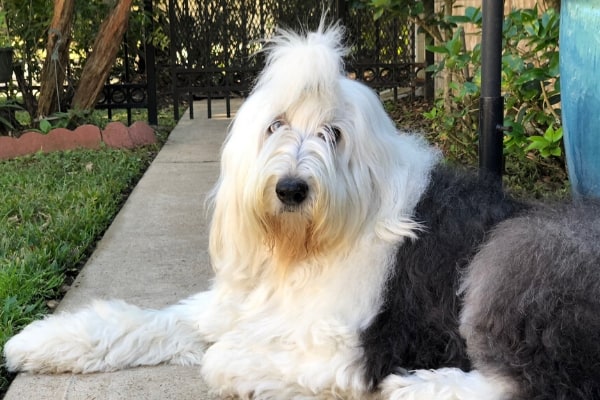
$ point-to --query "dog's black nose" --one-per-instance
(291, 191)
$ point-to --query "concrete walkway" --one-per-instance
(153, 254)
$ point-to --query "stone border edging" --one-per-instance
(114, 135)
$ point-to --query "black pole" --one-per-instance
(429, 89)
(340, 10)
(150, 67)
(491, 105)
(174, 37)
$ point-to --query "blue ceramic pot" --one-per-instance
(580, 93)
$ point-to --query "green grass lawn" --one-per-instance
(53, 208)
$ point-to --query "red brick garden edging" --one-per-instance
(115, 135)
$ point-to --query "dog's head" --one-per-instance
(312, 166)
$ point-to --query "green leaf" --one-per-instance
(457, 19)
(532, 74)
(553, 64)
(437, 49)
(45, 126)
(430, 114)
(473, 14)
(545, 153)
(417, 8)
(380, 3)
(454, 46)
(552, 135)
(537, 143)
(470, 88)
(6, 123)
(513, 62)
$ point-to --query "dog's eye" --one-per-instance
(275, 125)
(337, 133)
(330, 133)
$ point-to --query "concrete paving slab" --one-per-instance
(153, 254)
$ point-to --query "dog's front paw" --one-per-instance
(31, 350)
(49, 346)
(106, 336)
(68, 342)
(20, 352)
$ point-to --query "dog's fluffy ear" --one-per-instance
(234, 245)
(398, 163)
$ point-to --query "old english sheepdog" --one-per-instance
(352, 263)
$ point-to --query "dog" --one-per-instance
(351, 262)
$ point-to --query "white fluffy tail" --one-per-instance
(444, 384)
(106, 336)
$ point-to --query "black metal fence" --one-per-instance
(213, 43)
(136, 86)
(131, 85)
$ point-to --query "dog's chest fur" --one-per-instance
(307, 330)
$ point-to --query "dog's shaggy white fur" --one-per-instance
(338, 246)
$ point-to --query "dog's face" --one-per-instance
(302, 183)
(312, 163)
(300, 188)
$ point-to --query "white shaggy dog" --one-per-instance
(343, 251)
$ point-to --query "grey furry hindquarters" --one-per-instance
(532, 303)
(508, 288)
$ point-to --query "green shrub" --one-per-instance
(530, 85)
(533, 145)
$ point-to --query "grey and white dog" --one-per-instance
(350, 263)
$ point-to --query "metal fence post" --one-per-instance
(150, 67)
(491, 111)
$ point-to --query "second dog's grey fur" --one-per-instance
(532, 303)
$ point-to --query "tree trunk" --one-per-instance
(99, 63)
(57, 57)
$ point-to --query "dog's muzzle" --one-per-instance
(291, 191)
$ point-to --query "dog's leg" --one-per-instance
(443, 384)
(111, 335)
